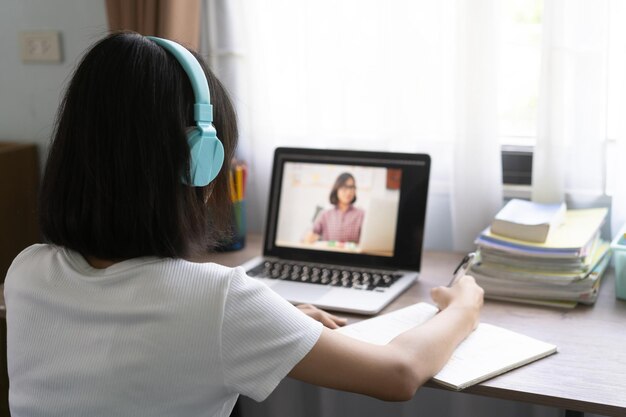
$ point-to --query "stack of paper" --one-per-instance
(563, 270)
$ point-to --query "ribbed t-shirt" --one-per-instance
(143, 337)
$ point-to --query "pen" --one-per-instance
(464, 266)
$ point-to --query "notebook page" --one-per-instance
(490, 351)
(485, 353)
(380, 330)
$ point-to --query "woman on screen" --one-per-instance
(343, 222)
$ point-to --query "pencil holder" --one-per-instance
(238, 237)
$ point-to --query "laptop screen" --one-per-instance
(348, 207)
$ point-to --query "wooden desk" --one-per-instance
(587, 374)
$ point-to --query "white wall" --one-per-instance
(30, 93)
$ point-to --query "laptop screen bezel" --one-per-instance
(411, 211)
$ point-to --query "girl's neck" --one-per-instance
(99, 263)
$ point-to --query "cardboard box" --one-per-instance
(19, 182)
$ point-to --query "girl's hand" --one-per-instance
(465, 294)
(327, 319)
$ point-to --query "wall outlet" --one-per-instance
(40, 46)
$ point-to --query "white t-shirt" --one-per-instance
(144, 337)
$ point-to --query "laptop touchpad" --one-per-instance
(299, 292)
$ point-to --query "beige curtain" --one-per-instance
(171, 19)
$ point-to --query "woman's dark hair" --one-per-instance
(113, 185)
(340, 182)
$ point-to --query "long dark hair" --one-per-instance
(113, 185)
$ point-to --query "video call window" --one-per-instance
(339, 208)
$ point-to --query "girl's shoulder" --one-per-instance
(33, 251)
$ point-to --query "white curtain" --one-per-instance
(406, 76)
(616, 117)
(222, 45)
(477, 180)
(581, 104)
(419, 76)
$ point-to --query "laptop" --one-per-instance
(357, 260)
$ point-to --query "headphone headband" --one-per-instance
(203, 110)
(206, 150)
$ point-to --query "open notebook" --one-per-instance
(362, 259)
(487, 352)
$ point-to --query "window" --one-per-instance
(520, 67)
(385, 77)
(518, 91)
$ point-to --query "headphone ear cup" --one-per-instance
(206, 155)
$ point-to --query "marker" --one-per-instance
(464, 266)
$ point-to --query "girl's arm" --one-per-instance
(395, 371)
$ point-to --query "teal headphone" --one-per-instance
(207, 152)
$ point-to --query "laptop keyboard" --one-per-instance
(361, 279)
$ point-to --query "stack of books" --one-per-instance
(562, 271)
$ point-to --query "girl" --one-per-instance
(118, 315)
